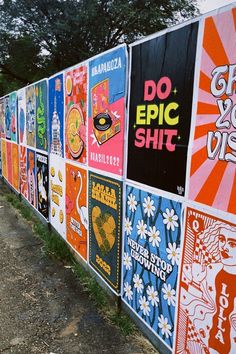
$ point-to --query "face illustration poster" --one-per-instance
(22, 115)
(2, 118)
(23, 172)
(7, 117)
(57, 194)
(207, 307)
(105, 228)
(42, 183)
(76, 113)
(41, 115)
(107, 75)
(13, 114)
(76, 208)
(213, 165)
(56, 114)
(152, 232)
(30, 115)
(15, 166)
(160, 108)
(9, 162)
(4, 158)
(31, 178)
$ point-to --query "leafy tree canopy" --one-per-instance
(41, 37)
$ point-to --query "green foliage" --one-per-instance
(39, 38)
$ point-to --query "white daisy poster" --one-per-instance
(151, 254)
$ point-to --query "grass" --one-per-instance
(56, 247)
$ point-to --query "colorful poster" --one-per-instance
(15, 166)
(207, 306)
(213, 165)
(76, 209)
(22, 115)
(107, 86)
(57, 194)
(152, 232)
(42, 183)
(160, 106)
(7, 117)
(4, 158)
(105, 228)
(31, 178)
(41, 115)
(2, 118)
(76, 113)
(13, 113)
(30, 115)
(23, 172)
(56, 114)
(0, 157)
(9, 162)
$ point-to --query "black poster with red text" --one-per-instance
(162, 75)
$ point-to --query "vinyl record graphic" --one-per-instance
(102, 121)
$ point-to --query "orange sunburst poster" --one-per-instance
(213, 164)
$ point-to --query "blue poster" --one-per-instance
(41, 115)
(7, 118)
(13, 113)
(56, 114)
(152, 232)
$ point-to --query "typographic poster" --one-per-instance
(107, 75)
(31, 178)
(76, 208)
(30, 115)
(42, 183)
(22, 116)
(105, 228)
(7, 117)
(41, 95)
(9, 162)
(56, 114)
(13, 114)
(151, 254)
(213, 165)
(57, 194)
(160, 107)
(76, 113)
(2, 118)
(23, 172)
(207, 307)
(15, 166)
(4, 158)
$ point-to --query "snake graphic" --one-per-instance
(41, 121)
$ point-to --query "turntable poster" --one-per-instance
(107, 86)
(206, 321)
(76, 113)
(160, 105)
(42, 183)
(105, 228)
(41, 115)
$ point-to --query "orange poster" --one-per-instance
(15, 166)
(76, 208)
(4, 159)
(9, 162)
(23, 172)
(213, 165)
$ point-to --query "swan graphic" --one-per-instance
(82, 210)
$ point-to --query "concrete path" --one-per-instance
(43, 308)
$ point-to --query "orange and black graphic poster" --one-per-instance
(76, 209)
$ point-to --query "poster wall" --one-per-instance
(76, 113)
(22, 115)
(213, 165)
(23, 172)
(152, 231)
(42, 184)
(206, 311)
(76, 209)
(107, 84)
(57, 194)
(30, 115)
(15, 166)
(160, 107)
(31, 178)
(41, 115)
(105, 228)
(56, 114)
